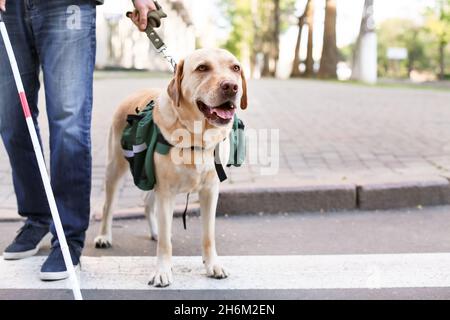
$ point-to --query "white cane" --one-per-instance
(41, 163)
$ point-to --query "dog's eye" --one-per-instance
(202, 68)
(237, 68)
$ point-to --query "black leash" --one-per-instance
(185, 211)
(219, 167)
(154, 22)
(219, 170)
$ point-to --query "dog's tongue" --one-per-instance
(224, 113)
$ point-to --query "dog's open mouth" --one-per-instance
(222, 114)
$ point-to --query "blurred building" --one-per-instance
(121, 45)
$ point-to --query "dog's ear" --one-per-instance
(244, 99)
(174, 89)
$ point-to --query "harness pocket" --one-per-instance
(237, 144)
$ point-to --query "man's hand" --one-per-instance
(139, 16)
(3, 5)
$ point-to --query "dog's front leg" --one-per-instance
(164, 209)
(208, 205)
(150, 215)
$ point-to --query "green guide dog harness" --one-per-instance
(142, 138)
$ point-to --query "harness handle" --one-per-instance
(154, 21)
(154, 17)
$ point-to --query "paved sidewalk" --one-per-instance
(330, 134)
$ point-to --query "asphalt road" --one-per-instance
(385, 235)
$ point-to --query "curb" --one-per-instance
(385, 194)
(308, 198)
(396, 195)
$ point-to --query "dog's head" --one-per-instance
(209, 84)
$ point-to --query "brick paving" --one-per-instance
(328, 132)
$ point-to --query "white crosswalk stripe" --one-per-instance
(426, 270)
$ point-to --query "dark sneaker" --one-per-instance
(27, 241)
(54, 267)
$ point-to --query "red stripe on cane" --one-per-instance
(25, 106)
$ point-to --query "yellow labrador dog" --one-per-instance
(208, 87)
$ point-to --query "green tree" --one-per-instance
(413, 40)
(407, 34)
(438, 26)
(255, 29)
(241, 36)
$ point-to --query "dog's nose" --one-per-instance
(229, 88)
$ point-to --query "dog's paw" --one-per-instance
(162, 278)
(216, 271)
(103, 242)
(154, 236)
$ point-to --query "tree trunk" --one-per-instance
(329, 58)
(265, 72)
(364, 65)
(301, 21)
(270, 37)
(256, 48)
(275, 50)
(442, 46)
(411, 63)
(362, 30)
(442, 42)
(309, 70)
(295, 72)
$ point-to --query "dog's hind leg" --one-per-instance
(115, 169)
(150, 214)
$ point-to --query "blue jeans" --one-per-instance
(59, 37)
